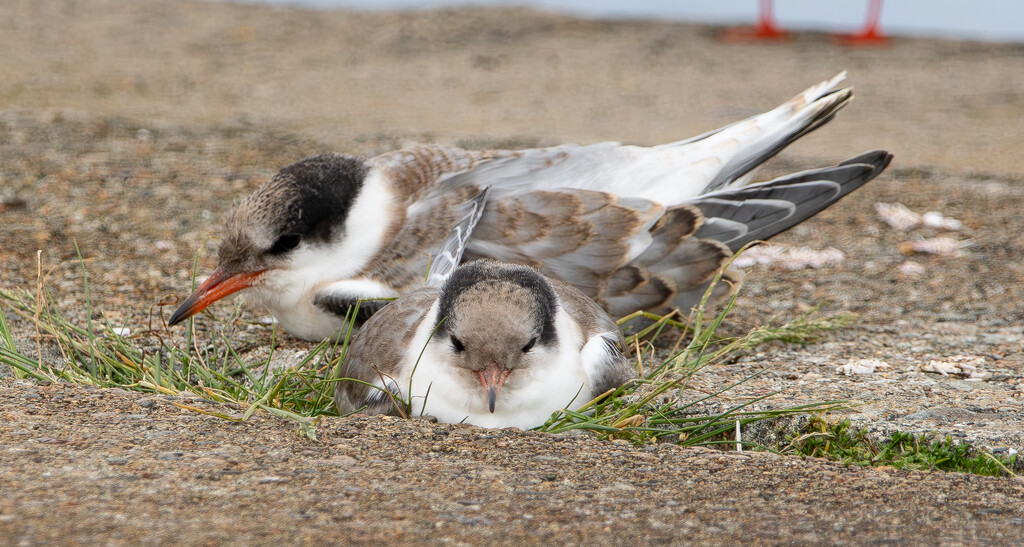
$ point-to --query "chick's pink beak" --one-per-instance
(492, 378)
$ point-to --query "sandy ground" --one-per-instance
(170, 476)
(131, 127)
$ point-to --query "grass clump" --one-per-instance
(155, 361)
(657, 407)
(840, 441)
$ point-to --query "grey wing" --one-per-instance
(691, 242)
(425, 171)
(376, 353)
(668, 174)
(605, 245)
(751, 142)
(450, 253)
(627, 253)
(578, 236)
(739, 216)
(605, 365)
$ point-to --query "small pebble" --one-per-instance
(272, 480)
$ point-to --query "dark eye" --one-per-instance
(529, 345)
(457, 344)
(284, 244)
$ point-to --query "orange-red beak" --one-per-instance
(492, 378)
(217, 286)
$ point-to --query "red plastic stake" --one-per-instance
(765, 30)
(871, 34)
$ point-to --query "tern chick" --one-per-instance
(497, 345)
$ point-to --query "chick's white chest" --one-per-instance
(528, 398)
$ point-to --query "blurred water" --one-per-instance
(994, 20)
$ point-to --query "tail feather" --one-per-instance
(827, 106)
(759, 211)
(751, 142)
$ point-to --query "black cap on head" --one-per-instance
(493, 275)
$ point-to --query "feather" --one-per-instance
(450, 254)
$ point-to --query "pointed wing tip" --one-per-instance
(450, 254)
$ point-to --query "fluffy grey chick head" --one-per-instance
(494, 319)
